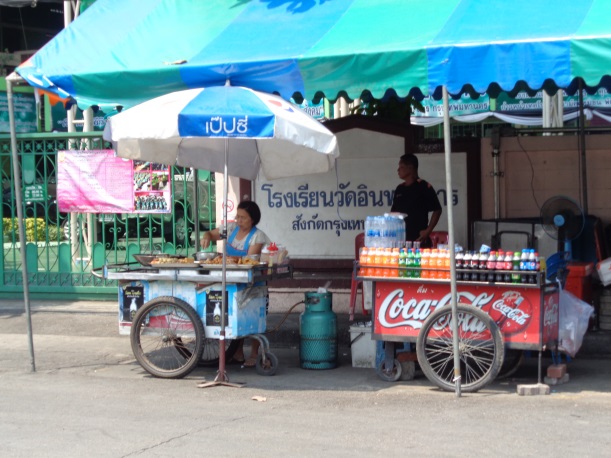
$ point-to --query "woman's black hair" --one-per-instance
(252, 209)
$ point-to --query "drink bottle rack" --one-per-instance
(395, 273)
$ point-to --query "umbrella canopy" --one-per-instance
(417, 46)
(189, 128)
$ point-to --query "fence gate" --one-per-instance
(62, 248)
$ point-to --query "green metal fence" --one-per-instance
(61, 248)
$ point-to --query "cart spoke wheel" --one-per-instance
(210, 355)
(167, 337)
(390, 374)
(480, 348)
(267, 366)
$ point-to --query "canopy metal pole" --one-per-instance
(447, 141)
(195, 210)
(582, 150)
(19, 203)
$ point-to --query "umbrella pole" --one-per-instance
(221, 377)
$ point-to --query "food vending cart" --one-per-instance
(172, 311)
(494, 318)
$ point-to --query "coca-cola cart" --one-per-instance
(172, 312)
(494, 319)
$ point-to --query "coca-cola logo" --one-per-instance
(512, 312)
(550, 314)
(394, 312)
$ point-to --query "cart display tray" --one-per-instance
(231, 266)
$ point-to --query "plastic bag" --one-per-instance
(574, 316)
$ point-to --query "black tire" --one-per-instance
(167, 337)
(270, 367)
(389, 375)
(511, 363)
(210, 355)
(481, 350)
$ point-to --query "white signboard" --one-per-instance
(318, 216)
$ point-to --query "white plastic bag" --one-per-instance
(574, 318)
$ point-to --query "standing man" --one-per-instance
(416, 198)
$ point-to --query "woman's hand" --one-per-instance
(206, 239)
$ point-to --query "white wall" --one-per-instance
(318, 216)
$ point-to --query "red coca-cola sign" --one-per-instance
(402, 307)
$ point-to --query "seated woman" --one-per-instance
(243, 238)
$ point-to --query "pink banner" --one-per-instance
(94, 181)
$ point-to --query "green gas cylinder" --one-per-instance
(318, 332)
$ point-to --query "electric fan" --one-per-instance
(562, 219)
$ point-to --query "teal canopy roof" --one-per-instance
(123, 52)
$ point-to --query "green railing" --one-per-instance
(61, 248)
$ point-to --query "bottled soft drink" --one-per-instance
(467, 265)
(363, 261)
(417, 263)
(532, 262)
(410, 263)
(432, 263)
(424, 262)
(498, 266)
(515, 276)
(402, 262)
(458, 258)
(394, 260)
(446, 263)
(491, 261)
(524, 259)
(482, 259)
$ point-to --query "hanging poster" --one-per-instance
(25, 113)
(94, 181)
(152, 187)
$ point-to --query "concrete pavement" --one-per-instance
(89, 397)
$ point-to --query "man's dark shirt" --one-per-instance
(416, 201)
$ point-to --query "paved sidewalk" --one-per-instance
(282, 326)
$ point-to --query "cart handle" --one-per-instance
(100, 272)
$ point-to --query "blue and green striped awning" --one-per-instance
(122, 52)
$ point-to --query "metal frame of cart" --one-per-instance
(494, 318)
(170, 313)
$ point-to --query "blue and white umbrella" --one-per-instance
(228, 129)
(231, 126)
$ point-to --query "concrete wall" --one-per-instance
(537, 168)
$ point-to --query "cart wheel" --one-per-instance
(390, 375)
(480, 348)
(511, 363)
(167, 337)
(269, 367)
(210, 355)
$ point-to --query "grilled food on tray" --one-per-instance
(166, 260)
